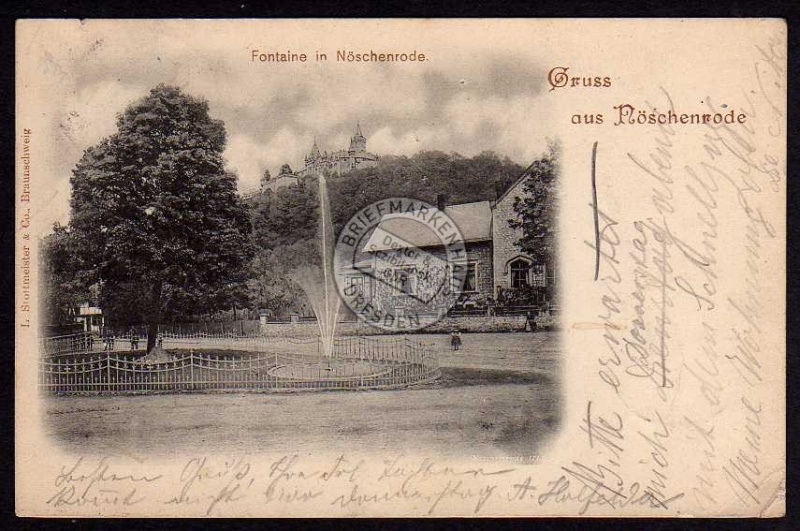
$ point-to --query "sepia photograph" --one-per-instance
(169, 280)
(397, 268)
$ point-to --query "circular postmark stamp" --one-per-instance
(400, 264)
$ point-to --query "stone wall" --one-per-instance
(479, 323)
(505, 237)
(465, 323)
(310, 329)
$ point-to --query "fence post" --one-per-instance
(191, 369)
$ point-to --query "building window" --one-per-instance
(356, 285)
(539, 276)
(471, 278)
(405, 280)
(520, 272)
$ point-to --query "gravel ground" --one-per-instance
(499, 396)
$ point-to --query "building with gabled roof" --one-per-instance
(496, 267)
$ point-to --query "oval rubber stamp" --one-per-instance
(400, 264)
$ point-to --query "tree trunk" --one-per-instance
(152, 333)
(155, 316)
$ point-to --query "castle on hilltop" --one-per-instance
(336, 163)
(342, 161)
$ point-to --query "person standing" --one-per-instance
(455, 340)
(531, 316)
(134, 339)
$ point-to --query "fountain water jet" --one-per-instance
(358, 362)
(319, 286)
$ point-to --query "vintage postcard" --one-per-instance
(400, 268)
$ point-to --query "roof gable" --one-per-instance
(518, 182)
(474, 221)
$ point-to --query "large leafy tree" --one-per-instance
(155, 219)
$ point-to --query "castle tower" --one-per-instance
(339, 161)
(314, 155)
(358, 142)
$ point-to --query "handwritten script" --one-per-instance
(676, 274)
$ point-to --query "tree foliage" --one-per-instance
(285, 234)
(290, 214)
(61, 286)
(286, 216)
(536, 209)
(423, 176)
(271, 286)
(155, 217)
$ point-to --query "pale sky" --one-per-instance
(471, 95)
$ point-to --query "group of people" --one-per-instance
(109, 339)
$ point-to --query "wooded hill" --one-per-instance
(285, 222)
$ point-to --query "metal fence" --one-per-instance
(238, 326)
(261, 364)
(67, 344)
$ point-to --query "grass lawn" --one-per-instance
(498, 396)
